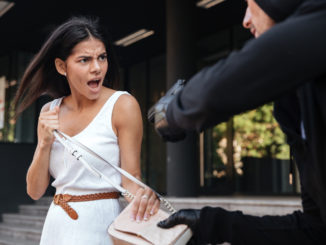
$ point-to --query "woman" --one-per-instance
(77, 67)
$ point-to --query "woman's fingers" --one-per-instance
(144, 205)
(48, 122)
(155, 207)
(150, 204)
(48, 125)
(50, 114)
(136, 203)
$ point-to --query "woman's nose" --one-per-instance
(95, 66)
(246, 23)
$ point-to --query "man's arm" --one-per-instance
(288, 55)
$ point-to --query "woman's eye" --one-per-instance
(83, 60)
(102, 57)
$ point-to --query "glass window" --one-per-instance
(23, 129)
(7, 92)
(247, 155)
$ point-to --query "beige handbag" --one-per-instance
(124, 231)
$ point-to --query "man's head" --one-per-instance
(261, 15)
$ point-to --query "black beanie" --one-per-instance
(278, 10)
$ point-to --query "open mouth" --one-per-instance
(94, 83)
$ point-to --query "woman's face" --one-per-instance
(86, 68)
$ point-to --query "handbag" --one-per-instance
(124, 231)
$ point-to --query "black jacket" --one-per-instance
(287, 64)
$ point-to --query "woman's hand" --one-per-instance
(47, 123)
(144, 205)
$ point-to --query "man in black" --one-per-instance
(286, 63)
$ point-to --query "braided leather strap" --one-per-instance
(63, 199)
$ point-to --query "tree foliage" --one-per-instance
(256, 134)
(259, 135)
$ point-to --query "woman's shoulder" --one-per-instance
(126, 110)
(126, 107)
(126, 113)
(126, 101)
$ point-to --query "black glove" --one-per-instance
(189, 217)
(157, 115)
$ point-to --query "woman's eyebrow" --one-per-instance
(90, 56)
(84, 56)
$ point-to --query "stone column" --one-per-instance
(182, 157)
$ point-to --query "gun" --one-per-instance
(160, 107)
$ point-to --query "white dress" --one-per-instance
(70, 177)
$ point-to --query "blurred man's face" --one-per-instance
(256, 19)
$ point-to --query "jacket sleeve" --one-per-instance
(217, 225)
(289, 54)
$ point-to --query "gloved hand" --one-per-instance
(189, 217)
(157, 115)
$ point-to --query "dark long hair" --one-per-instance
(41, 76)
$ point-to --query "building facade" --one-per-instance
(246, 155)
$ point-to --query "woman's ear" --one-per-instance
(60, 65)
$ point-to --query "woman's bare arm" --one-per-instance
(127, 122)
(38, 176)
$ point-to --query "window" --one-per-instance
(12, 66)
(247, 155)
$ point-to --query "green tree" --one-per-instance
(259, 135)
(256, 134)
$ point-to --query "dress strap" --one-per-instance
(116, 96)
(55, 102)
